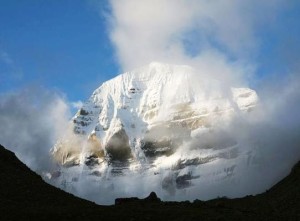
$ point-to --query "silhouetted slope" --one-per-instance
(285, 195)
(25, 196)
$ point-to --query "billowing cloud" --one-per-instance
(31, 120)
(183, 31)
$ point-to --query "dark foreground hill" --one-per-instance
(25, 196)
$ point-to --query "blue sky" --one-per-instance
(66, 45)
(58, 44)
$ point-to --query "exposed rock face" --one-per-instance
(117, 146)
(67, 152)
(158, 148)
(163, 139)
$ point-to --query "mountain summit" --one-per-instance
(154, 119)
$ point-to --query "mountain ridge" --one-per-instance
(24, 195)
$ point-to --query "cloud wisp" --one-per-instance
(9, 70)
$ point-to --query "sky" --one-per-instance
(61, 45)
(55, 53)
(74, 46)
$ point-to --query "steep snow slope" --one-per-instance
(163, 122)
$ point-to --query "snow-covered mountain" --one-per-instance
(161, 124)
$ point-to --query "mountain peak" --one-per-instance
(159, 116)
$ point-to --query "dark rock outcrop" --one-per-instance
(118, 147)
(158, 148)
(152, 198)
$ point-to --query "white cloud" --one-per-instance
(159, 30)
(31, 121)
